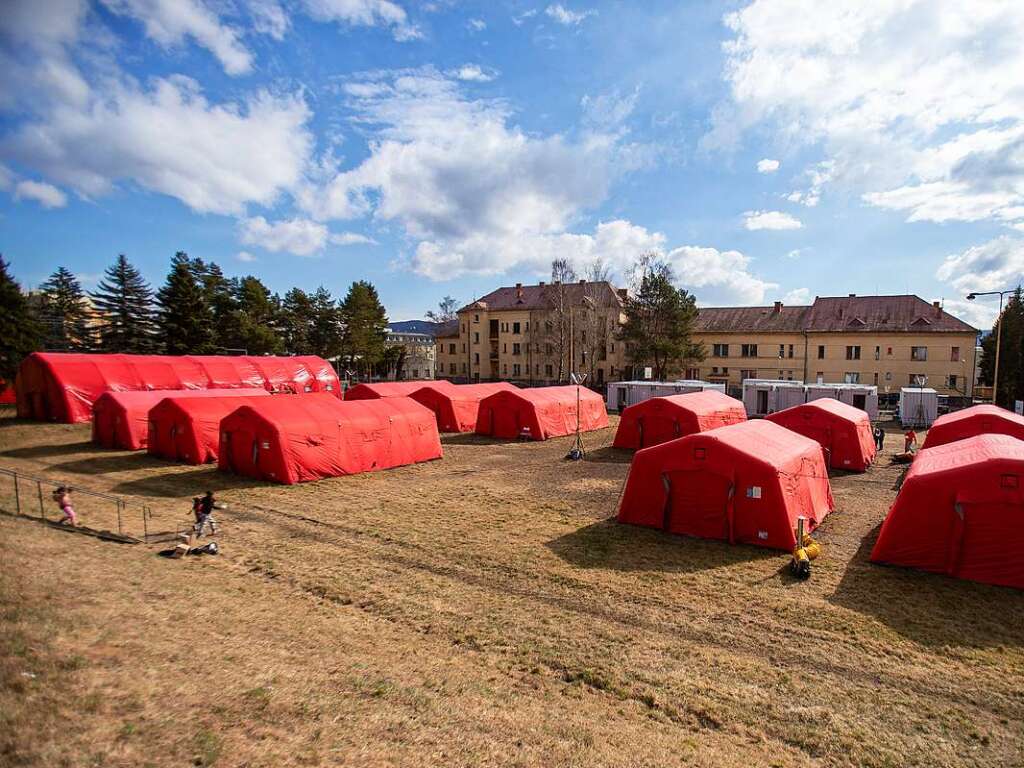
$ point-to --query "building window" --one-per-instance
(719, 350)
(790, 350)
(504, 327)
(888, 351)
(476, 318)
(476, 337)
(851, 377)
(516, 349)
(716, 371)
(536, 369)
(527, 326)
(782, 375)
(782, 351)
(917, 379)
(549, 371)
(476, 358)
(748, 373)
(821, 351)
(551, 349)
(878, 353)
(693, 373)
(748, 350)
(853, 353)
(415, 373)
(954, 355)
(451, 368)
(952, 381)
(463, 347)
(888, 375)
(451, 349)
(919, 354)
(516, 328)
(876, 378)
(516, 370)
(504, 347)
(612, 347)
(463, 367)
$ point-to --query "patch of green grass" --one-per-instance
(209, 746)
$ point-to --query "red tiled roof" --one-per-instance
(541, 296)
(759, 319)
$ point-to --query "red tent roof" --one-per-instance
(186, 428)
(844, 432)
(294, 439)
(121, 419)
(976, 420)
(959, 512)
(373, 391)
(745, 483)
(545, 411)
(457, 409)
(57, 386)
(660, 419)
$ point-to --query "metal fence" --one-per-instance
(97, 512)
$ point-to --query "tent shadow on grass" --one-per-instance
(609, 455)
(930, 609)
(468, 438)
(45, 451)
(112, 462)
(610, 545)
(191, 482)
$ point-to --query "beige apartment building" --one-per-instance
(537, 334)
(887, 341)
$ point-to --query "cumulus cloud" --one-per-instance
(997, 265)
(469, 189)
(916, 105)
(45, 194)
(777, 220)
(717, 277)
(364, 13)
(797, 296)
(169, 22)
(563, 15)
(245, 257)
(767, 166)
(476, 25)
(980, 314)
(351, 238)
(473, 73)
(269, 18)
(298, 236)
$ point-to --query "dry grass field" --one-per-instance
(481, 610)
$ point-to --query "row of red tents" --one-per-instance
(960, 509)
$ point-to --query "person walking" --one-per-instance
(909, 440)
(205, 515)
(63, 498)
(879, 438)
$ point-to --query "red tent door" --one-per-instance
(986, 542)
(698, 503)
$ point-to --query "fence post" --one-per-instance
(39, 491)
(17, 495)
(145, 525)
(119, 505)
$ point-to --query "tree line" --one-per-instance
(1011, 353)
(197, 310)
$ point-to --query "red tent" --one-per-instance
(976, 420)
(187, 428)
(746, 483)
(121, 419)
(55, 386)
(7, 396)
(545, 412)
(660, 419)
(456, 409)
(960, 512)
(294, 439)
(374, 391)
(842, 430)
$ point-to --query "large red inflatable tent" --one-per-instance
(660, 419)
(456, 409)
(746, 483)
(960, 512)
(295, 439)
(976, 420)
(844, 432)
(187, 429)
(540, 413)
(121, 419)
(57, 386)
(377, 390)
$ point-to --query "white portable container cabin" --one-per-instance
(863, 396)
(919, 406)
(622, 394)
(764, 396)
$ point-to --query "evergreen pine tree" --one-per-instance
(219, 297)
(365, 323)
(64, 314)
(19, 330)
(325, 333)
(1011, 353)
(125, 302)
(253, 323)
(296, 322)
(186, 318)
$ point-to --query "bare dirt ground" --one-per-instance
(480, 610)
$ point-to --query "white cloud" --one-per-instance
(917, 105)
(45, 194)
(980, 314)
(563, 15)
(473, 73)
(364, 13)
(168, 22)
(471, 191)
(298, 236)
(797, 297)
(6, 177)
(351, 238)
(997, 265)
(245, 256)
(518, 20)
(170, 139)
(776, 220)
(269, 18)
(767, 166)
(794, 254)
(717, 277)
(476, 25)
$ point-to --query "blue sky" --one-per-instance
(769, 149)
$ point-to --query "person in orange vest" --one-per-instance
(909, 440)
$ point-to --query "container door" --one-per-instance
(762, 402)
(698, 504)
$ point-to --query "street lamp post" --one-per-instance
(999, 334)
